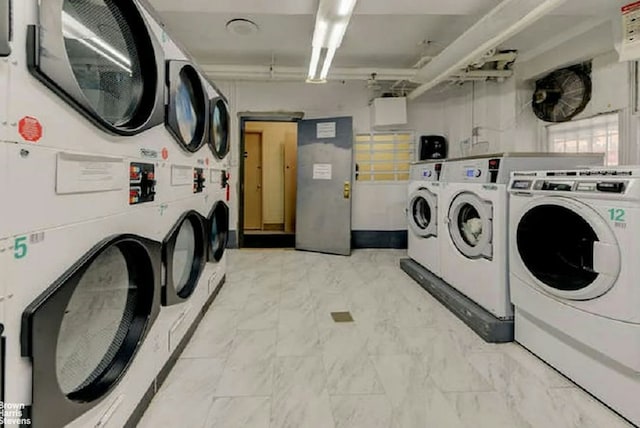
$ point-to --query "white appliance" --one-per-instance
(422, 215)
(88, 162)
(474, 244)
(574, 277)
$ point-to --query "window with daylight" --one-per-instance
(383, 156)
(599, 134)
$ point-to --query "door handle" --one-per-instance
(346, 190)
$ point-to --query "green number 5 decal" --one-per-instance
(20, 247)
(617, 214)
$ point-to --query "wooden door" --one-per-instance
(253, 181)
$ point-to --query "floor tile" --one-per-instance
(249, 367)
(239, 412)
(186, 395)
(214, 337)
(361, 411)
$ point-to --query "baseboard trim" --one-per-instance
(396, 239)
(484, 323)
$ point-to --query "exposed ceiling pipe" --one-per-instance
(507, 19)
(281, 73)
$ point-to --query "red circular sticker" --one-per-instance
(165, 153)
(30, 129)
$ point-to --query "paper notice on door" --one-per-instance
(326, 130)
(77, 173)
(322, 171)
(630, 49)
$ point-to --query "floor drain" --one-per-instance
(341, 317)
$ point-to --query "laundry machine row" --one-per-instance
(459, 232)
(116, 207)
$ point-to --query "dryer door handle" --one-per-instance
(606, 259)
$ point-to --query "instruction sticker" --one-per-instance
(322, 171)
(326, 130)
(76, 173)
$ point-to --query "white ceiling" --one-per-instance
(382, 33)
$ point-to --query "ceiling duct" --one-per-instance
(503, 22)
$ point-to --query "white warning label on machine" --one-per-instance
(322, 171)
(181, 175)
(326, 130)
(77, 173)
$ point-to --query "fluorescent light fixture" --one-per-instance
(315, 60)
(327, 63)
(332, 19)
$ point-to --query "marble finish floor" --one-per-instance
(269, 355)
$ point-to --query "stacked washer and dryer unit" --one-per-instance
(117, 206)
(574, 277)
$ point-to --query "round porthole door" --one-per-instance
(101, 58)
(423, 213)
(187, 113)
(219, 128)
(218, 231)
(83, 332)
(184, 258)
(568, 249)
(470, 223)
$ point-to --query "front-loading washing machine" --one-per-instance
(474, 246)
(573, 275)
(422, 215)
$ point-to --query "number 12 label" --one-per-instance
(617, 214)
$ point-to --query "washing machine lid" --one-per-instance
(83, 332)
(183, 255)
(423, 213)
(218, 231)
(219, 127)
(470, 221)
(187, 113)
(100, 57)
(567, 248)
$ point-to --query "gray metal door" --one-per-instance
(323, 219)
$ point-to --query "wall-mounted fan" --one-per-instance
(562, 94)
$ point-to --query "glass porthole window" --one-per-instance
(183, 256)
(188, 109)
(219, 232)
(421, 213)
(95, 321)
(100, 57)
(219, 132)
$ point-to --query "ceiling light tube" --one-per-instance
(345, 8)
(315, 60)
(327, 63)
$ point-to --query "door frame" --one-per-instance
(243, 119)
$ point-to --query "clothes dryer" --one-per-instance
(474, 248)
(573, 272)
(422, 214)
(91, 68)
(79, 336)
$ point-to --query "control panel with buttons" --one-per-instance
(142, 183)
(198, 180)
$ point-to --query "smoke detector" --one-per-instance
(242, 27)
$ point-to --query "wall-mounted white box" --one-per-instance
(389, 111)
